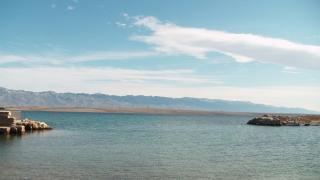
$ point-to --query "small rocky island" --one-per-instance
(286, 120)
(11, 123)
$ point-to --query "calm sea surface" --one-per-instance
(135, 146)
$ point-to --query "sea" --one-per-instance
(142, 146)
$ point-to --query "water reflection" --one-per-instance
(5, 139)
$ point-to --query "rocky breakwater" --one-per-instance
(282, 120)
(11, 123)
(22, 126)
(31, 125)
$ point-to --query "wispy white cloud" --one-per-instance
(144, 82)
(198, 42)
(291, 70)
(120, 24)
(58, 59)
(111, 55)
(70, 8)
(8, 58)
(53, 6)
(126, 15)
(70, 78)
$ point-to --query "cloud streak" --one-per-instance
(72, 76)
(50, 59)
(198, 42)
(290, 70)
(70, 8)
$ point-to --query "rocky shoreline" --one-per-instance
(282, 120)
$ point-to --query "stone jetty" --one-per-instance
(283, 120)
(11, 123)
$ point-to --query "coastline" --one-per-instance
(138, 110)
(131, 110)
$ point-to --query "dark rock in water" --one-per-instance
(13, 130)
(275, 120)
(28, 127)
(21, 130)
(4, 130)
(265, 121)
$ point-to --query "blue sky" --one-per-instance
(266, 52)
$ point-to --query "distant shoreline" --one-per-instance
(129, 110)
(134, 110)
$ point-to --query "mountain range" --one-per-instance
(14, 98)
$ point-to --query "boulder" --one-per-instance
(4, 130)
(13, 130)
(28, 126)
(265, 121)
(35, 125)
(276, 120)
(21, 129)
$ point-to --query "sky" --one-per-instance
(264, 52)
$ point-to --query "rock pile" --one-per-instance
(33, 125)
(276, 120)
(10, 124)
(22, 126)
(265, 120)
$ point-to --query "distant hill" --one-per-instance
(52, 99)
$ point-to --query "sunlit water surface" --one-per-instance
(135, 146)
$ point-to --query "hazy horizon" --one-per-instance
(266, 52)
(50, 100)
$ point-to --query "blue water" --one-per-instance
(135, 146)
